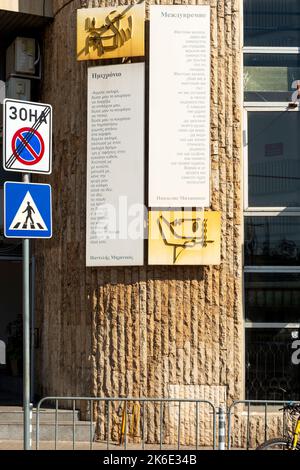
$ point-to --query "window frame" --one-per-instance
(263, 50)
(249, 106)
(264, 211)
(261, 107)
(256, 48)
(270, 50)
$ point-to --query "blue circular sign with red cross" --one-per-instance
(28, 146)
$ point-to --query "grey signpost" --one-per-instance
(19, 117)
(26, 337)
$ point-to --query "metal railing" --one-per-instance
(259, 409)
(162, 422)
(146, 421)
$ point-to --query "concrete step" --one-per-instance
(15, 415)
(14, 431)
(11, 425)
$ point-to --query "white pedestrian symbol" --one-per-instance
(28, 216)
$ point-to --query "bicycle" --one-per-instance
(291, 441)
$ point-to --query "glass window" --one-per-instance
(273, 159)
(270, 371)
(273, 181)
(272, 241)
(274, 23)
(272, 297)
(270, 77)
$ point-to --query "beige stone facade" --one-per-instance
(150, 331)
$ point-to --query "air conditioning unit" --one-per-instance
(18, 89)
(21, 57)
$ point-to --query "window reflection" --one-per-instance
(270, 77)
(272, 297)
(272, 241)
(274, 23)
(270, 373)
(274, 159)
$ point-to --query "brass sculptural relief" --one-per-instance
(184, 237)
(108, 33)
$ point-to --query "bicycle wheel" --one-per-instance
(278, 443)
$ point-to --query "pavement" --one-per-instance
(18, 445)
(49, 445)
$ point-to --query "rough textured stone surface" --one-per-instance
(150, 331)
(259, 427)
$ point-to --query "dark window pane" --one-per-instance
(270, 372)
(8, 175)
(272, 297)
(274, 159)
(272, 23)
(270, 77)
(272, 241)
(8, 247)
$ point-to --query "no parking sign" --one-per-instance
(27, 139)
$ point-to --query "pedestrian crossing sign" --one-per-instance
(27, 210)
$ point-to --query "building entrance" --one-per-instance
(11, 332)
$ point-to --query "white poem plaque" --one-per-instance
(115, 166)
(179, 139)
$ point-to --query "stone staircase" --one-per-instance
(11, 425)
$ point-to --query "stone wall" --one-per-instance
(150, 331)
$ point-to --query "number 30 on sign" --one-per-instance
(27, 145)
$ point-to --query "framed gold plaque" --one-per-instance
(110, 33)
(184, 237)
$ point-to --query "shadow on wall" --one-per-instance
(42, 8)
(116, 275)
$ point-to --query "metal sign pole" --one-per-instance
(27, 146)
(26, 336)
